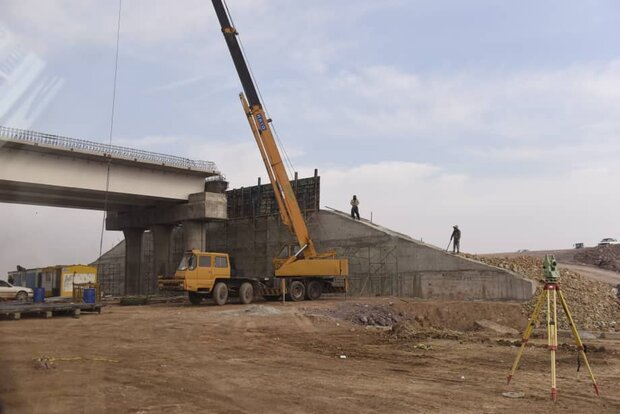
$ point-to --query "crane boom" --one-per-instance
(306, 261)
(289, 207)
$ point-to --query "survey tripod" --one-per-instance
(550, 293)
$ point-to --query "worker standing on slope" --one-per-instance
(456, 239)
(355, 212)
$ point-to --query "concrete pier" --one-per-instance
(133, 261)
(162, 250)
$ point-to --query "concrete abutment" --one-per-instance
(381, 262)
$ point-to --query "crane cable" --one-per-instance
(107, 181)
(288, 162)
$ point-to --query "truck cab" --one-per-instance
(199, 270)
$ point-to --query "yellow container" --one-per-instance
(77, 274)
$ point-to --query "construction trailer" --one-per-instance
(57, 280)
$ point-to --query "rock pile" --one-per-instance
(413, 330)
(605, 257)
(365, 314)
(593, 304)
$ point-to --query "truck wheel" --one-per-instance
(21, 296)
(246, 293)
(220, 293)
(314, 290)
(297, 291)
(194, 298)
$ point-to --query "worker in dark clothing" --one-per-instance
(355, 212)
(456, 239)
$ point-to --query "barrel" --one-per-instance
(90, 295)
(39, 295)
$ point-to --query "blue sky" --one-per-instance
(503, 117)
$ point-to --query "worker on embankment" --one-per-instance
(355, 212)
(456, 239)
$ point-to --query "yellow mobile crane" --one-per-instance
(300, 270)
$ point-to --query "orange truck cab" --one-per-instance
(207, 275)
(199, 270)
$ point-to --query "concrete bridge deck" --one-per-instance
(44, 169)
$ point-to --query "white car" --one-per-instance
(8, 291)
(608, 241)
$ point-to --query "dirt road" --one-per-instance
(274, 358)
(594, 273)
(566, 259)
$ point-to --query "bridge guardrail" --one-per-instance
(112, 151)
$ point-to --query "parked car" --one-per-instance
(608, 241)
(8, 291)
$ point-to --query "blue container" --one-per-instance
(90, 295)
(39, 295)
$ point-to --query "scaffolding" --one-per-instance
(258, 201)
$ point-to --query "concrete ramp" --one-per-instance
(382, 262)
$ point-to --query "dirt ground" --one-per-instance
(306, 357)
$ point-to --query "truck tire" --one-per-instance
(297, 291)
(314, 290)
(194, 298)
(246, 293)
(220, 293)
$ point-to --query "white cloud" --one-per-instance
(495, 213)
(48, 25)
(551, 108)
(148, 143)
(179, 83)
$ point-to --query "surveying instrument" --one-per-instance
(551, 291)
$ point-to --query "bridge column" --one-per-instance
(162, 250)
(133, 260)
(194, 235)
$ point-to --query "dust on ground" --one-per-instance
(307, 357)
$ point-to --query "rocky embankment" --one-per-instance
(594, 305)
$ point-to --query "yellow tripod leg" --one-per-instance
(528, 332)
(552, 319)
(573, 328)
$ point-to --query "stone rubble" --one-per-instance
(605, 257)
(593, 305)
(366, 314)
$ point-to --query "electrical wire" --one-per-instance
(107, 181)
(288, 163)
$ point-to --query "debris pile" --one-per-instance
(414, 330)
(605, 257)
(593, 304)
(365, 314)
